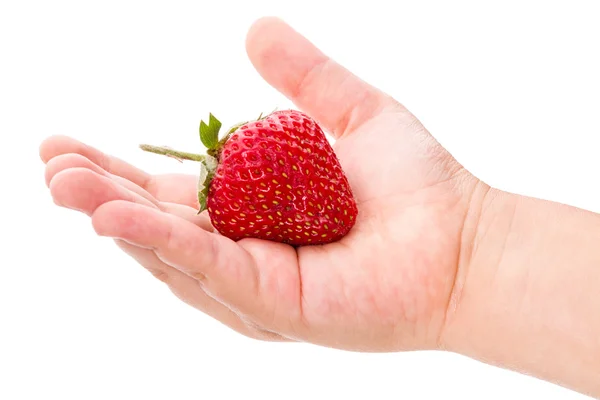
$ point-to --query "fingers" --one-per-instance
(225, 270)
(85, 187)
(189, 291)
(84, 190)
(173, 188)
(71, 160)
(340, 101)
(57, 145)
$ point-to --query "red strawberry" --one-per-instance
(275, 178)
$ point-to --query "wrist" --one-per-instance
(485, 232)
(525, 292)
(481, 245)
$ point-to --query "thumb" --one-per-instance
(331, 94)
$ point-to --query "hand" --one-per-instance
(386, 286)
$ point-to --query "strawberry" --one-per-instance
(275, 178)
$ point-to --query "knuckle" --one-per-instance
(160, 275)
(197, 275)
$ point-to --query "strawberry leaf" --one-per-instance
(209, 134)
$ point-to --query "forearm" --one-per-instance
(527, 294)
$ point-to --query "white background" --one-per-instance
(510, 88)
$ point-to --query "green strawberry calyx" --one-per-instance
(209, 136)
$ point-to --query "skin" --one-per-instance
(437, 259)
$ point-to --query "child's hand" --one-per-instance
(436, 258)
(385, 286)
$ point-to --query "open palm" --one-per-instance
(386, 286)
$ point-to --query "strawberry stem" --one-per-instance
(208, 166)
(165, 151)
